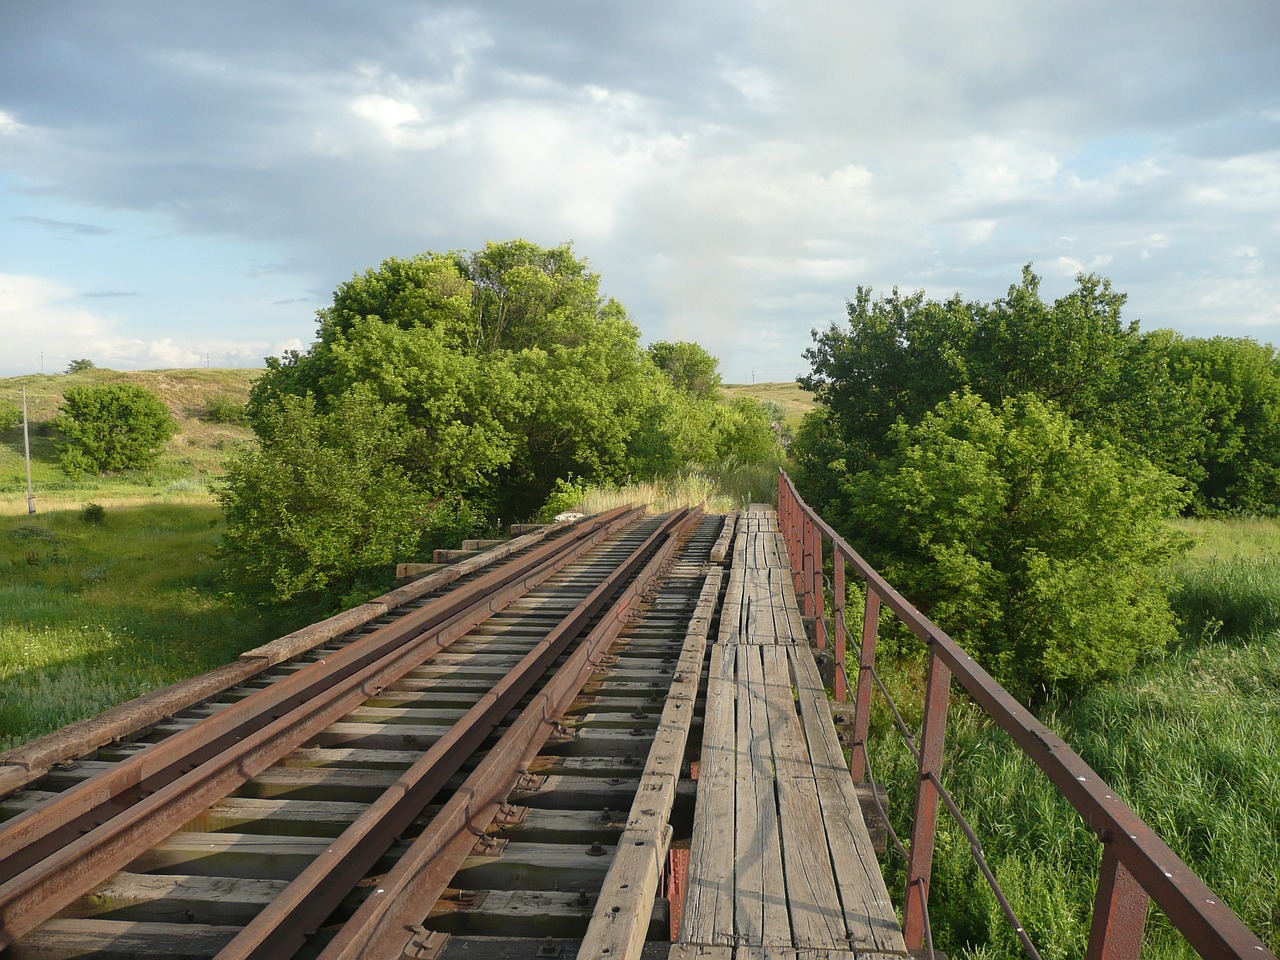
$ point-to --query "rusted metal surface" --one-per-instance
(677, 886)
(420, 876)
(841, 631)
(1208, 924)
(865, 684)
(283, 927)
(925, 818)
(1119, 912)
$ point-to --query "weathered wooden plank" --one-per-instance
(177, 898)
(526, 913)
(708, 915)
(724, 544)
(244, 855)
(120, 940)
(537, 866)
(760, 898)
(812, 900)
(870, 921)
(700, 951)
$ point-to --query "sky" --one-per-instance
(185, 184)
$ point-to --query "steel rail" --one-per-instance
(384, 926)
(21, 765)
(1209, 925)
(283, 926)
(277, 723)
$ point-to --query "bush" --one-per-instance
(10, 415)
(325, 502)
(93, 513)
(113, 427)
(225, 410)
(1035, 547)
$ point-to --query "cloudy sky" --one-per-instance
(185, 183)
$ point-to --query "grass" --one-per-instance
(719, 488)
(203, 401)
(794, 400)
(1189, 741)
(95, 613)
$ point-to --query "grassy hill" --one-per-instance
(794, 400)
(204, 402)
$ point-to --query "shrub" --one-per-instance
(112, 427)
(1035, 547)
(94, 513)
(325, 502)
(10, 415)
(225, 410)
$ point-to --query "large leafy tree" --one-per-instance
(689, 365)
(1036, 547)
(111, 427)
(507, 370)
(1232, 387)
(1205, 411)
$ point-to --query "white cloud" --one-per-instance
(42, 328)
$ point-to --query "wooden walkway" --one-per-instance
(781, 864)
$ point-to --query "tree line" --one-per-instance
(1012, 464)
(448, 393)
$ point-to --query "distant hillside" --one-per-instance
(205, 403)
(794, 400)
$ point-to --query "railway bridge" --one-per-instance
(614, 737)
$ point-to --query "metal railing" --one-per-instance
(1137, 866)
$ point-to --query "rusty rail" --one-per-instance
(1137, 866)
(383, 924)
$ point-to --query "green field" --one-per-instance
(96, 613)
(198, 399)
(789, 395)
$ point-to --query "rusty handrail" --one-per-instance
(1136, 863)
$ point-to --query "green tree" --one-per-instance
(1232, 388)
(509, 372)
(689, 366)
(80, 366)
(112, 427)
(325, 500)
(1036, 547)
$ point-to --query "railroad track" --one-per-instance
(457, 760)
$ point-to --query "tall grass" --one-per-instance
(719, 488)
(94, 613)
(1190, 741)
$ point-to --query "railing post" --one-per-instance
(1119, 912)
(806, 565)
(841, 631)
(925, 825)
(819, 593)
(862, 699)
